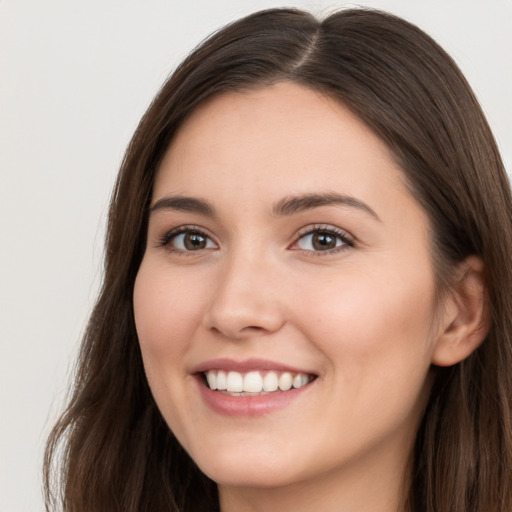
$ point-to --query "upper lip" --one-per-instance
(246, 365)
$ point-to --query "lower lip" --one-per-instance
(256, 405)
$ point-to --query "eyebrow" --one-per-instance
(184, 204)
(284, 207)
(296, 204)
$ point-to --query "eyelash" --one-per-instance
(166, 240)
(347, 241)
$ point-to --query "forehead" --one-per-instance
(261, 145)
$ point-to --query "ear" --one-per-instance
(465, 318)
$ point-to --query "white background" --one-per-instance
(75, 77)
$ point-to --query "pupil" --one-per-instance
(194, 241)
(323, 241)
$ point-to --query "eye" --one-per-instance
(323, 239)
(188, 239)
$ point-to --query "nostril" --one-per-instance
(253, 328)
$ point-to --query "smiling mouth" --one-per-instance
(254, 383)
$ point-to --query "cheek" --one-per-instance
(378, 343)
(373, 329)
(167, 313)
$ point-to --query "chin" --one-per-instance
(243, 470)
(254, 478)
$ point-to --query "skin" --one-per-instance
(359, 317)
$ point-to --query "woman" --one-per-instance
(306, 296)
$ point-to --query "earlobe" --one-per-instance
(466, 318)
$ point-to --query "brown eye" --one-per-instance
(323, 240)
(194, 241)
(187, 241)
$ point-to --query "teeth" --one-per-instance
(270, 382)
(222, 380)
(235, 382)
(212, 380)
(285, 381)
(255, 381)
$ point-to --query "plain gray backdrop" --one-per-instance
(75, 77)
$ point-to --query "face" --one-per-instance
(288, 265)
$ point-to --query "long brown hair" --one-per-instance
(114, 449)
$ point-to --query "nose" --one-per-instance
(246, 301)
